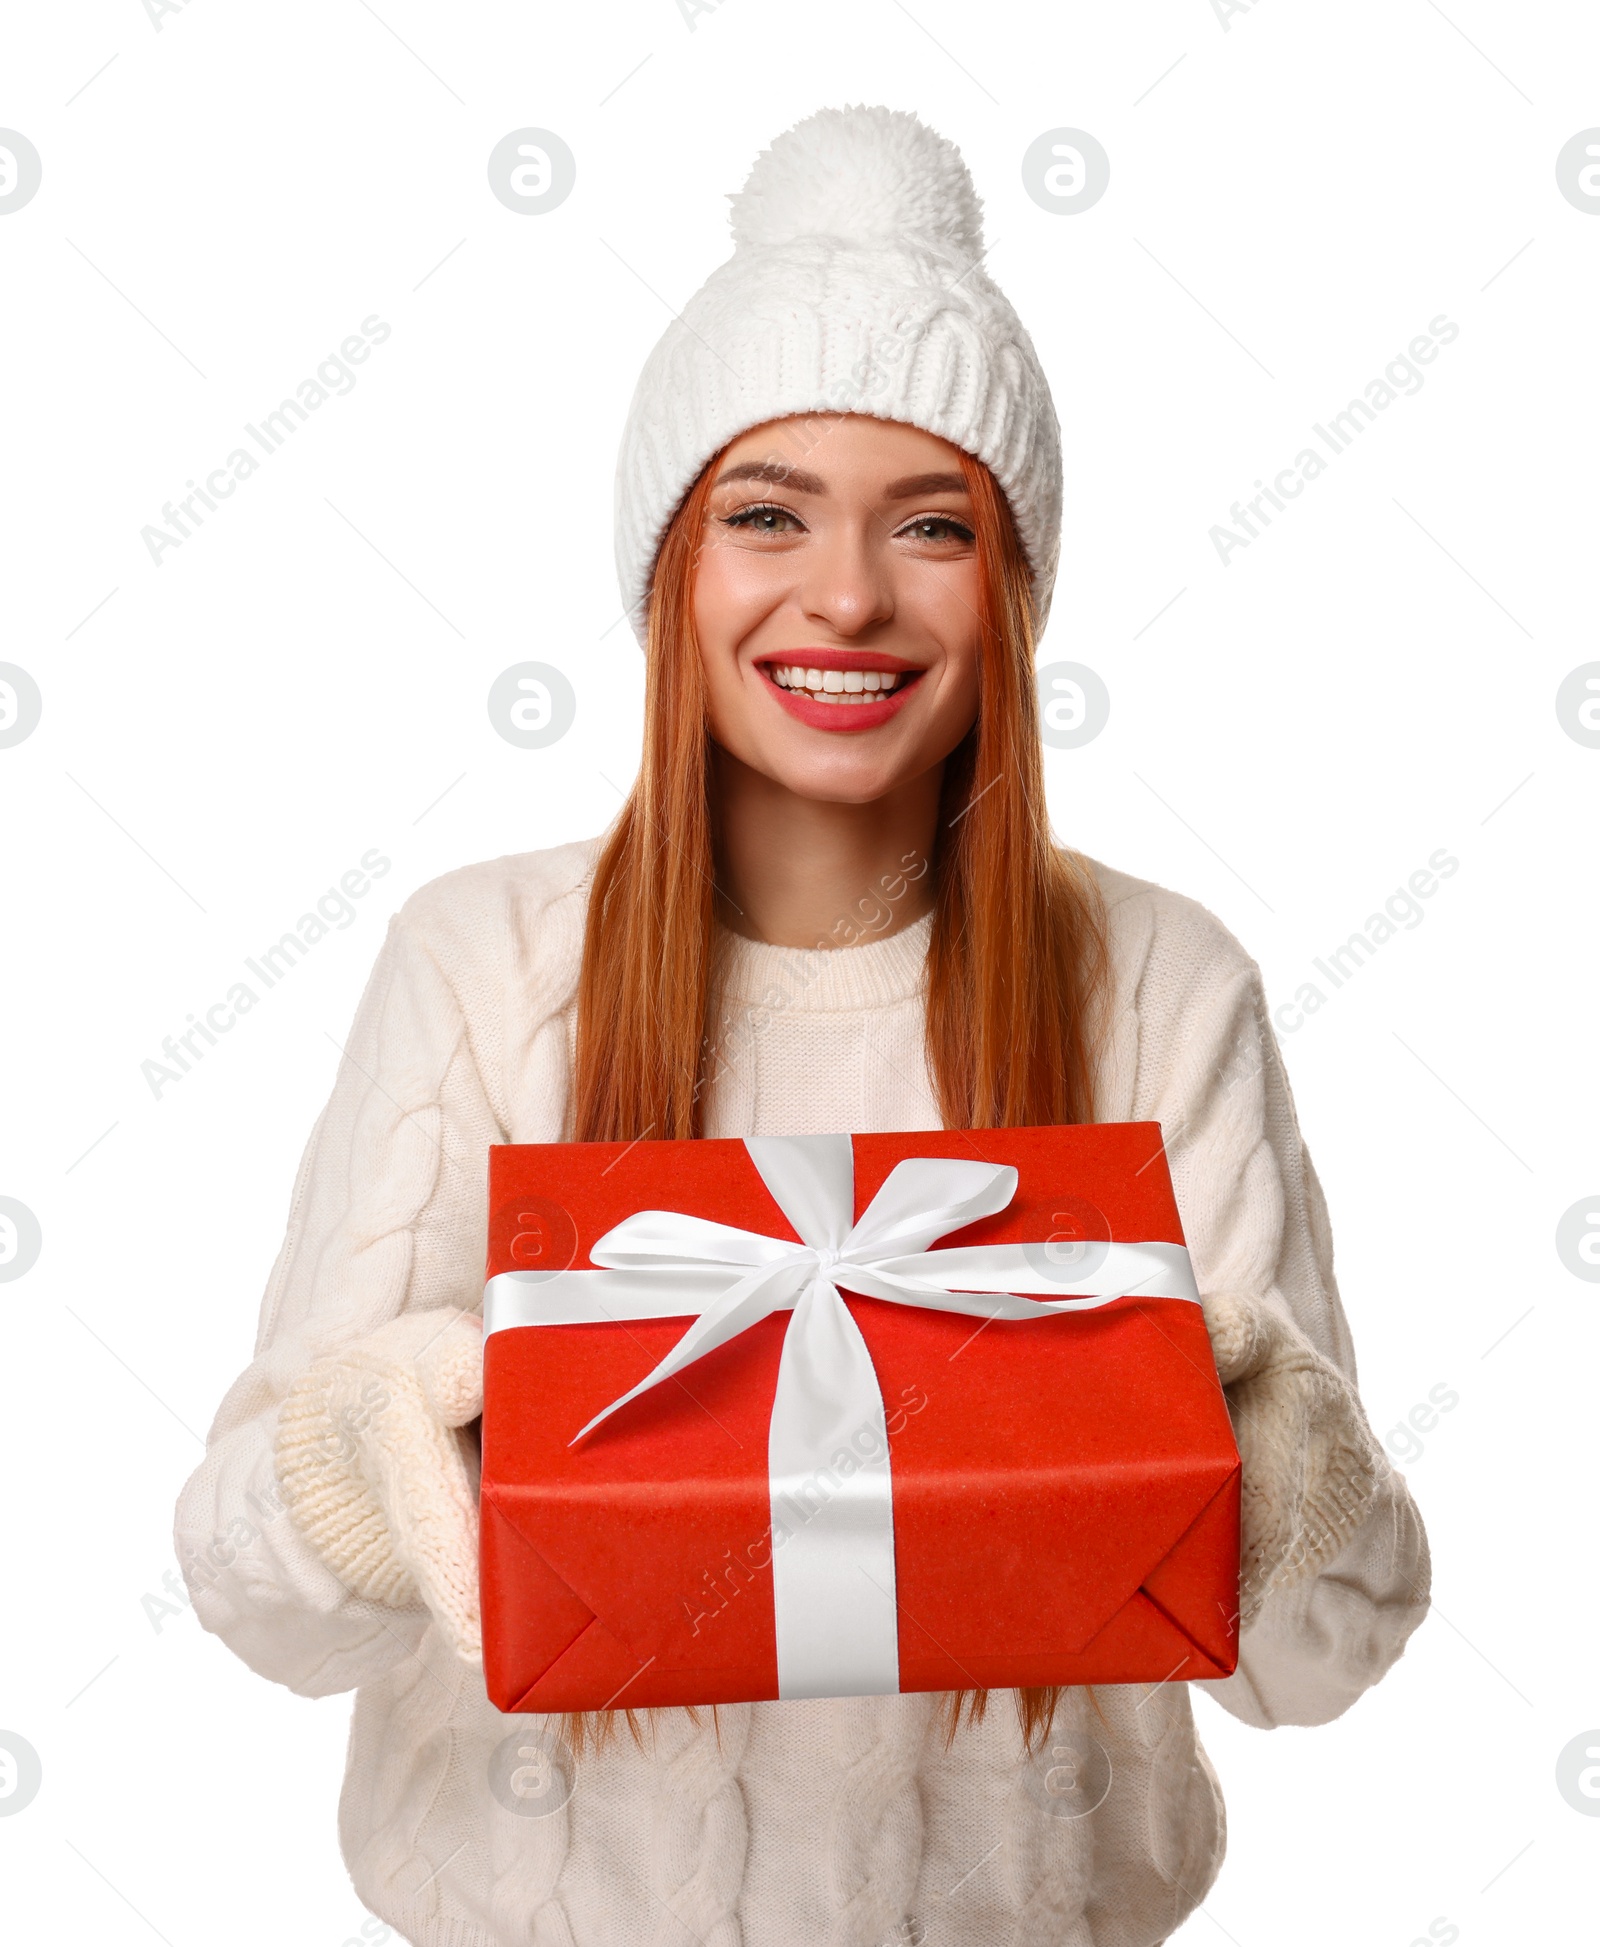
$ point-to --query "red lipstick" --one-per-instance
(846, 717)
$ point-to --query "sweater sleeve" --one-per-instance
(1210, 1070)
(388, 1215)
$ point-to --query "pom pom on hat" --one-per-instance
(853, 287)
(868, 175)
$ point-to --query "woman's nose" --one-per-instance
(847, 583)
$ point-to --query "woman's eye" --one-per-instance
(764, 520)
(938, 527)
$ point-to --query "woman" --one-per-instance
(831, 903)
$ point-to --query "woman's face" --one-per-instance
(836, 603)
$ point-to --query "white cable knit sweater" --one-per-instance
(849, 1822)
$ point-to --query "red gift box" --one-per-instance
(1064, 1486)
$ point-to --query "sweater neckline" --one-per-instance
(873, 973)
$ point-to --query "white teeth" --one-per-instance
(837, 685)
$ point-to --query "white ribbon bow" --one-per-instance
(832, 1524)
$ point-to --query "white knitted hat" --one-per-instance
(855, 285)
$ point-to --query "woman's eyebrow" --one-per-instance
(777, 473)
(915, 485)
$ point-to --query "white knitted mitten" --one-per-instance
(1311, 1465)
(375, 1475)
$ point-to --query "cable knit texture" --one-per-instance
(843, 1822)
(700, 1832)
(856, 284)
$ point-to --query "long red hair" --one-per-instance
(1017, 965)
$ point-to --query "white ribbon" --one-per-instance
(832, 1526)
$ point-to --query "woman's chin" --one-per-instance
(838, 777)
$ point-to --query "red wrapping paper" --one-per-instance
(1066, 1490)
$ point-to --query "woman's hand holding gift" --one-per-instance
(1311, 1464)
(378, 1475)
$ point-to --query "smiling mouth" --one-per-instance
(845, 687)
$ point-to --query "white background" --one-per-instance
(305, 678)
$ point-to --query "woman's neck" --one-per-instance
(805, 872)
